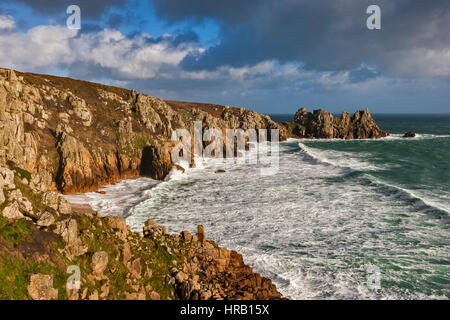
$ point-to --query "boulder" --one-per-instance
(186, 236)
(68, 230)
(116, 222)
(57, 202)
(64, 206)
(12, 212)
(51, 199)
(99, 263)
(94, 295)
(7, 178)
(409, 134)
(41, 287)
(155, 296)
(201, 233)
(181, 276)
(46, 219)
(26, 207)
(152, 230)
(136, 268)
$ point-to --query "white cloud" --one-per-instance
(6, 22)
(42, 47)
(131, 58)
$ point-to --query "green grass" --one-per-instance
(140, 142)
(15, 274)
(14, 232)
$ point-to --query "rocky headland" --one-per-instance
(321, 124)
(61, 136)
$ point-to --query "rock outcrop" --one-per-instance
(409, 134)
(77, 136)
(209, 271)
(323, 125)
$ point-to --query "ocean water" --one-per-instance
(336, 218)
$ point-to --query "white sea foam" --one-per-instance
(392, 136)
(350, 160)
(118, 199)
(355, 161)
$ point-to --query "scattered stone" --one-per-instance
(64, 117)
(148, 273)
(105, 290)
(41, 287)
(135, 296)
(155, 296)
(181, 276)
(51, 199)
(94, 295)
(26, 207)
(84, 293)
(72, 294)
(205, 295)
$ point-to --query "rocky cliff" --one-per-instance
(63, 135)
(74, 136)
(322, 124)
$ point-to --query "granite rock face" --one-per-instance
(75, 136)
(321, 124)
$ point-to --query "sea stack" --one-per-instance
(321, 124)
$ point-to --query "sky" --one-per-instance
(272, 56)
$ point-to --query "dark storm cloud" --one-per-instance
(325, 35)
(89, 8)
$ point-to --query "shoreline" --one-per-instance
(203, 248)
